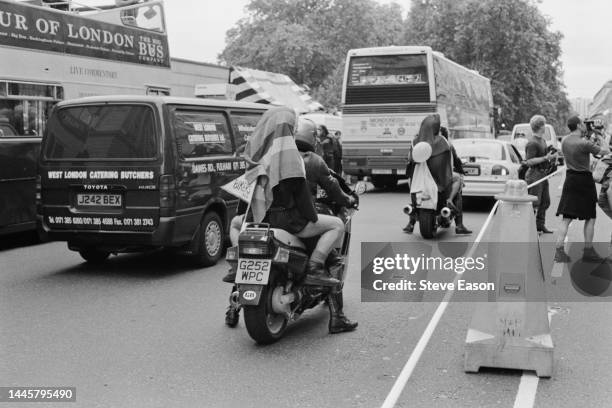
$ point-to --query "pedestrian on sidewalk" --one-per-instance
(579, 195)
(539, 163)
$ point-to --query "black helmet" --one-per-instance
(305, 134)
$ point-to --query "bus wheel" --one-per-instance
(209, 240)
(93, 255)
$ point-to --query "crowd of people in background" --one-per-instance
(579, 197)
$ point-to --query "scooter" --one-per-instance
(271, 266)
(427, 203)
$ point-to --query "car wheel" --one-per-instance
(209, 240)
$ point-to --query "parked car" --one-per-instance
(488, 164)
(132, 173)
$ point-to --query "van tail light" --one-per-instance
(499, 171)
(167, 195)
(38, 193)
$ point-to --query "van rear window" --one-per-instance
(101, 132)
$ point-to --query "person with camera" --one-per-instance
(539, 162)
(579, 194)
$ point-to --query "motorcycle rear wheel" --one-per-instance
(427, 223)
(262, 323)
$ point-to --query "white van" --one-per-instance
(522, 132)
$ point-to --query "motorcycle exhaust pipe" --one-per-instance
(408, 209)
(446, 212)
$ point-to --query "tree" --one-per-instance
(508, 41)
(309, 39)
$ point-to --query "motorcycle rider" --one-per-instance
(319, 175)
(316, 273)
(455, 200)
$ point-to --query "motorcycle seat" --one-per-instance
(288, 238)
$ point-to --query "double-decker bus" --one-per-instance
(55, 50)
(388, 91)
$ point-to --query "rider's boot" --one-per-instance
(335, 265)
(318, 276)
(316, 273)
(338, 322)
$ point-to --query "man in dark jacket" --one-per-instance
(322, 180)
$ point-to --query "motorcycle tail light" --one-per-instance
(425, 197)
(254, 251)
(282, 255)
(499, 171)
(231, 254)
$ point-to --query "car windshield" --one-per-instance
(525, 131)
(479, 149)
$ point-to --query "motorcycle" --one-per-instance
(271, 266)
(427, 203)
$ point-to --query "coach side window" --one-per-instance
(201, 134)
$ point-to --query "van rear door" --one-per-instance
(101, 167)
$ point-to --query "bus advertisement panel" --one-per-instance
(25, 26)
(387, 93)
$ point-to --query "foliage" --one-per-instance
(507, 41)
(309, 39)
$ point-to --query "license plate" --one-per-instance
(382, 171)
(99, 200)
(471, 171)
(253, 271)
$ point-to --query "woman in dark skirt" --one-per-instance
(579, 196)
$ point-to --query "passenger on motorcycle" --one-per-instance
(282, 198)
(440, 162)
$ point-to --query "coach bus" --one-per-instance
(388, 91)
(55, 50)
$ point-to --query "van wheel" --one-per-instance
(209, 240)
(94, 256)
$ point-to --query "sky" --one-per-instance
(196, 31)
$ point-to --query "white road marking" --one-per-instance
(528, 387)
(406, 372)
(525, 397)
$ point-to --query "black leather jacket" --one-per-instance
(318, 174)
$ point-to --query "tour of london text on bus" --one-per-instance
(31, 27)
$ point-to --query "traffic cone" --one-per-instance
(514, 331)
